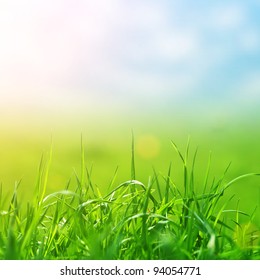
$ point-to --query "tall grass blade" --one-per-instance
(46, 176)
(133, 177)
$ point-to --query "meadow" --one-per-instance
(145, 190)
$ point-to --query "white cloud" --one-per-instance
(249, 88)
(227, 16)
(249, 40)
(116, 47)
(176, 46)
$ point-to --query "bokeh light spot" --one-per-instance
(148, 146)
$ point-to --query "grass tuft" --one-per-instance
(133, 220)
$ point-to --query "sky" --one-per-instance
(81, 53)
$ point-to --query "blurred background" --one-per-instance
(102, 69)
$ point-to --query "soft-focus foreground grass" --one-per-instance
(100, 205)
(164, 217)
(133, 220)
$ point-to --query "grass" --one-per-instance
(157, 219)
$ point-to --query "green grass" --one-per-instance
(161, 218)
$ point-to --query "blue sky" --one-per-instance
(86, 52)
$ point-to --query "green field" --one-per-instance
(173, 203)
(129, 130)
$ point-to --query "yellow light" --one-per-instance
(148, 146)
